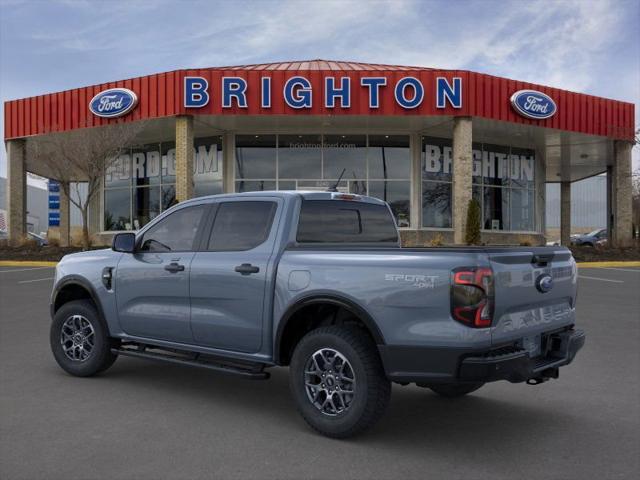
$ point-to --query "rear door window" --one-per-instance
(336, 221)
(241, 225)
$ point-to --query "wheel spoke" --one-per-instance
(329, 381)
(77, 338)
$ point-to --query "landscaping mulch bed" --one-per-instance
(49, 253)
(604, 254)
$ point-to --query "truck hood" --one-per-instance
(104, 254)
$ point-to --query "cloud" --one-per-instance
(582, 45)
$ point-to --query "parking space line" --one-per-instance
(23, 269)
(601, 279)
(36, 280)
(621, 269)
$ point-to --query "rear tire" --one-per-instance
(80, 340)
(453, 390)
(354, 392)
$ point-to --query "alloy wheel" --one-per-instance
(330, 381)
(77, 338)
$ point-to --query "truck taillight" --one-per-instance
(472, 296)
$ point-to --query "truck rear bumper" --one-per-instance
(442, 365)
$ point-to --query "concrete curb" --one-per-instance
(608, 264)
(26, 263)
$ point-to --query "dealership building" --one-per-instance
(425, 140)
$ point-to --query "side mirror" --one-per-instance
(124, 242)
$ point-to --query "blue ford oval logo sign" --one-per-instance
(114, 102)
(533, 104)
(544, 283)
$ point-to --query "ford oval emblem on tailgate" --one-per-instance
(544, 283)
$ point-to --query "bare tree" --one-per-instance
(85, 156)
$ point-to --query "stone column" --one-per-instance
(416, 180)
(462, 158)
(228, 163)
(565, 213)
(610, 200)
(621, 183)
(16, 191)
(65, 216)
(184, 157)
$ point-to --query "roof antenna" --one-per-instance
(334, 188)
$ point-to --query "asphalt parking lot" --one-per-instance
(147, 420)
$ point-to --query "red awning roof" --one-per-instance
(320, 64)
(160, 95)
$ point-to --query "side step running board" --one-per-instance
(252, 371)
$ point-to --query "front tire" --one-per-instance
(80, 340)
(338, 382)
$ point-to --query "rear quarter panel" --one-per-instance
(407, 293)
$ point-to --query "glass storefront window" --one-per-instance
(436, 174)
(315, 162)
(141, 182)
(207, 160)
(148, 175)
(146, 165)
(503, 183)
(207, 167)
(255, 156)
(287, 185)
(208, 188)
(168, 198)
(522, 167)
(344, 152)
(342, 186)
(118, 174)
(299, 156)
(436, 204)
(168, 162)
(476, 154)
(397, 194)
(389, 157)
(521, 211)
(117, 209)
(495, 164)
(146, 205)
(436, 159)
(496, 208)
(255, 185)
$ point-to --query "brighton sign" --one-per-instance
(113, 103)
(490, 162)
(533, 104)
(298, 93)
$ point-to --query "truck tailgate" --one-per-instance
(528, 302)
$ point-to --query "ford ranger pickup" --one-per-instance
(318, 282)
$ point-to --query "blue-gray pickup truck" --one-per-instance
(316, 281)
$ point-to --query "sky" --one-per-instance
(589, 46)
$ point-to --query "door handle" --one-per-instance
(247, 269)
(174, 267)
